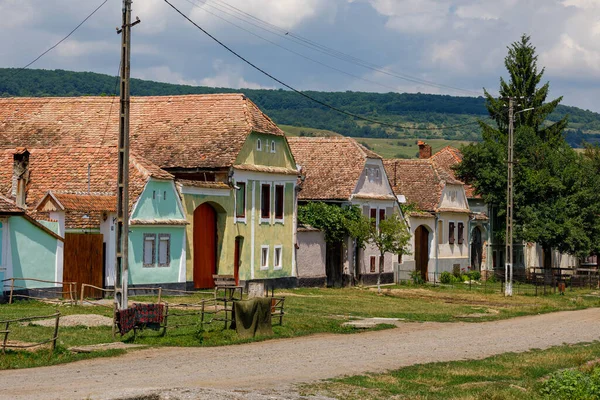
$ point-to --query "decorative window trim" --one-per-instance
(266, 219)
(272, 146)
(279, 218)
(149, 237)
(264, 266)
(277, 263)
(258, 145)
(162, 236)
(241, 218)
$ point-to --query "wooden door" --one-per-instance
(236, 260)
(205, 246)
(422, 251)
(83, 261)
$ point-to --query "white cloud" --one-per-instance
(163, 74)
(413, 16)
(449, 55)
(229, 76)
(76, 48)
(568, 58)
(16, 13)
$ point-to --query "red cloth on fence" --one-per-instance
(126, 320)
(148, 313)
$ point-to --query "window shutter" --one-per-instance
(372, 266)
(461, 228)
(381, 215)
(451, 233)
(373, 216)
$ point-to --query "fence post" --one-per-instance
(82, 289)
(5, 338)
(159, 294)
(56, 323)
(12, 288)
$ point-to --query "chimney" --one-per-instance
(424, 149)
(20, 176)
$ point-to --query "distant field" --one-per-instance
(405, 148)
(386, 148)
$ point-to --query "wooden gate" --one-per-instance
(205, 246)
(83, 261)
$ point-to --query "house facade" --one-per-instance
(231, 165)
(343, 172)
(438, 218)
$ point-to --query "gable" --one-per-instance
(373, 181)
(159, 201)
(453, 198)
(267, 150)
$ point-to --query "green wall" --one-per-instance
(138, 274)
(281, 158)
(33, 252)
(153, 205)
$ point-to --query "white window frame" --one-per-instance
(258, 144)
(244, 218)
(277, 263)
(272, 146)
(149, 238)
(162, 237)
(271, 214)
(262, 251)
(282, 219)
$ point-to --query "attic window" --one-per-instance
(258, 145)
(272, 146)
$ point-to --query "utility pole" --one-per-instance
(508, 268)
(122, 236)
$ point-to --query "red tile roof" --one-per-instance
(417, 180)
(332, 166)
(7, 206)
(448, 157)
(64, 171)
(194, 131)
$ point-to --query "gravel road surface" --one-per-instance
(270, 369)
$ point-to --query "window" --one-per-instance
(272, 146)
(373, 216)
(279, 201)
(149, 249)
(259, 145)
(277, 257)
(461, 228)
(265, 201)
(440, 232)
(154, 195)
(240, 200)
(264, 257)
(451, 233)
(381, 214)
(164, 250)
(373, 262)
(400, 258)
(165, 195)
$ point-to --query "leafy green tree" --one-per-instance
(545, 172)
(391, 236)
(332, 219)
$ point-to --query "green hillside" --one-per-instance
(288, 108)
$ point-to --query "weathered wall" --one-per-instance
(33, 252)
(311, 254)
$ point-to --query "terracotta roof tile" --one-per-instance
(87, 202)
(417, 180)
(332, 166)
(448, 157)
(194, 131)
(7, 206)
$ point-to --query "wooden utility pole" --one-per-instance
(508, 269)
(122, 236)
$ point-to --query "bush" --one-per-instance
(447, 278)
(573, 385)
(416, 277)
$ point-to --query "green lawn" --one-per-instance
(506, 376)
(308, 311)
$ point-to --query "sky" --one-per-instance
(454, 47)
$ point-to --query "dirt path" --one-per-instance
(279, 364)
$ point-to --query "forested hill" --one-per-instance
(285, 107)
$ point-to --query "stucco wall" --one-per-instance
(282, 157)
(534, 258)
(33, 253)
(158, 201)
(311, 254)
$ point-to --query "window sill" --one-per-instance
(277, 268)
(239, 220)
(264, 268)
(149, 266)
(164, 266)
(279, 221)
(265, 221)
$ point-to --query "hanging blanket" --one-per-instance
(148, 313)
(252, 317)
(126, 320)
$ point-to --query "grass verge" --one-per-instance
(503, 377)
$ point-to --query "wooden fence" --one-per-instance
(6, 325)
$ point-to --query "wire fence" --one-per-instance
(533, 281)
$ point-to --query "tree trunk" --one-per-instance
(381, 262)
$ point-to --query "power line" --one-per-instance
(288, 35)
(61, 40)
(339, 110)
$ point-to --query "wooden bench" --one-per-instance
(277, 308)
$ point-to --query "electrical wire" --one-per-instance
(288, 35)
(61, 40)
(322, 103)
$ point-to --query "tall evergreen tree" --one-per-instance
(546, 167)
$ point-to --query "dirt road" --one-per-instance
(279, 364)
